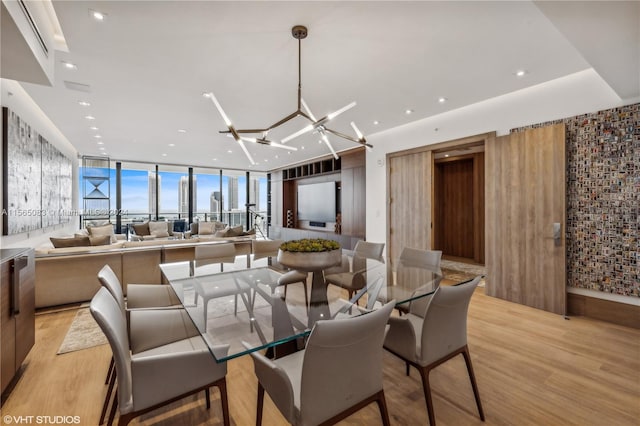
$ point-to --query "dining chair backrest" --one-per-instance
(342, 364)
(264, 248)
(215, 253)
(410, 262)
(415, 256)
(112, 322)
(445, 322)
(369, 250)
(110, 281)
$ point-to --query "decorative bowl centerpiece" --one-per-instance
(310, 254)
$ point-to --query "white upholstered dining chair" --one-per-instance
(353, 278)
(263, 248)
(224, 255)
(151, 378)
(413, 257)
(338, 373)
(426, 342)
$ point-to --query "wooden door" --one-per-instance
(453, 208)
(525, 208)
(410, 181)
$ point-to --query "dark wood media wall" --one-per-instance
(352, 177)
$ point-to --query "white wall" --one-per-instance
(13, 96)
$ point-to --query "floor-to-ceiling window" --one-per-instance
(208, 194)
(150, 192)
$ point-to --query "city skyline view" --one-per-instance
(136, 193)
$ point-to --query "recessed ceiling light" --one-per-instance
(98, 16)
(266, 160)
(289, 152)
(214, 159)
(182, 131)
(172, 144)
(69, 65)
(442, 99)
(446, 156)
(100, 143)
(102, 148)
(277, 156)
(521, 73)
(376, 122)
(206, 94)
(84, 103)
(93, 128)
(89, 117)
(164, 155)
(302, 147)
(408, 111)
(229, 151)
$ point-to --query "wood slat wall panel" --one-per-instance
(410, 183)
(525, 190)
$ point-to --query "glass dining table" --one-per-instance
(238, 302)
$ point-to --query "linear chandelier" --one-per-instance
(299, 32)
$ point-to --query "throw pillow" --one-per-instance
(251, 231)
(206, 228)
(221, 234)
(158, 229)
(102, 240)
(170, 227)
(81, 233)
(70, 242)
(219, 226)
(236, 231)
(96, 231)
(141, 229)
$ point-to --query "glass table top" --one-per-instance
(239, 302)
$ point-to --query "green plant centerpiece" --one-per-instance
(310, 254)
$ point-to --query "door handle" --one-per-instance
(557, 232)
(18, 265)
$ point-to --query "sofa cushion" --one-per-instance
(70, 242)
(236, 231)
(101, 240)
(141, 229)
(206, 228)
(158, 229)
(96, 231)
(220, 234)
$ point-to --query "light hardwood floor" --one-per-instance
(532, 367)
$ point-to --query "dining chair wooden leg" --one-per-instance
(424, 373)
(114, 407)
(207, 397)
(222, 386)
(260, 405)
(472, 377)
(109, 371)
(107, 397)
(407, 367)
(306, 296)
(382, 405)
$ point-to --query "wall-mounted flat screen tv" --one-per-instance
(317, 202)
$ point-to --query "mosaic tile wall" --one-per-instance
(603, 199)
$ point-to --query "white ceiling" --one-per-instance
(149, 62)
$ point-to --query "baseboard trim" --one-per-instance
(605, 310)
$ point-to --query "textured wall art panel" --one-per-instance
(603, 199)
(56, 185)
(23, 188)
(38, 179)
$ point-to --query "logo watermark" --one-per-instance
(40, 420)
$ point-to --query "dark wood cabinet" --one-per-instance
(17, 310)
